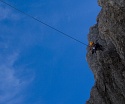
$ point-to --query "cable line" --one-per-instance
(43, 22)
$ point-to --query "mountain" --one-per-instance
(108, 66)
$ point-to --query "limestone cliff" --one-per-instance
(108, 65)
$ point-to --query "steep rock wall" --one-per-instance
(108, 65)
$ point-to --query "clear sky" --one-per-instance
(39, 65)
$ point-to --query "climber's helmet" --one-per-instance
(91, 43)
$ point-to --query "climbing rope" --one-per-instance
(43, 23)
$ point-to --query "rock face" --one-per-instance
(108, 65)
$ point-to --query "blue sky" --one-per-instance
(39, 65)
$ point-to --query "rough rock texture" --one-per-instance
(108, 65)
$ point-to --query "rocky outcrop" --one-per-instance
(108, 65)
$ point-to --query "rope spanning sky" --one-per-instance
(39, 63)
(69, 36)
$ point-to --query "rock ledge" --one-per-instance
(108, 65)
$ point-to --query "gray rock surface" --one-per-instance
(108, 65)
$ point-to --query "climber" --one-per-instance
(92, 47)
(95, 46)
